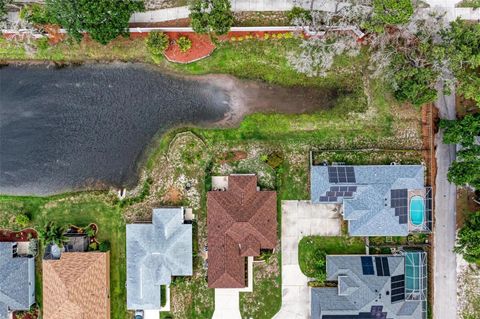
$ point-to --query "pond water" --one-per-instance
(84, 127)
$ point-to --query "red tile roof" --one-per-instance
(240, 222)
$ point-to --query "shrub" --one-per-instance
(299, 15)
(37, 14)
(22, 220)
(468, 239)
(209, 16)
(184, 44)
(157, 42)
(274, 160)
(93, 246)
(387, 12)
(89, 231)
(104, 246)
(163, 295)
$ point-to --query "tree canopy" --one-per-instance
(461, 131)
(211, 16)
(462, 48)
(104, 20)
(466, 169)
(53, 234)
(468, 243)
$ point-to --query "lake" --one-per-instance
(71, 128)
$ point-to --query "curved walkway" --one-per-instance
(300, 219)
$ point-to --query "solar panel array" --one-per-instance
(338, 191)
(398, 288)
(381, 264)
(399, 201)
(367, 265)
(341, 174)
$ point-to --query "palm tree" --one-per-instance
(53, 234)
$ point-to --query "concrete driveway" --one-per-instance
(227, 304)
(300, 219)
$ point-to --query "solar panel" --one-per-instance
(378, 264)
(399, 201)
(367, 265)
(323, 198)
(397, 284)
(398, 298)
(341, 174)
(398, 278)
(386, 269)
(398, 288)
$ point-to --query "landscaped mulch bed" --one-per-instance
(202, 46)
(7, 235)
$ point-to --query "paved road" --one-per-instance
(445, 264)
(299, 219)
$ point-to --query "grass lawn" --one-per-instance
(267, 60)
(312, 248)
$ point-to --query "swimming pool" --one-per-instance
(417, 210)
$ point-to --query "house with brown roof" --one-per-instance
(241, 221)
(77, 286)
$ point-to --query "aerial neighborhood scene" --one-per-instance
(240, 159)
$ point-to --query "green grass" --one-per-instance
(267, 60)
(79, 209)
(311, 248)
(469, 4)
(265, 300)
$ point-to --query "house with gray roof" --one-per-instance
(155, 252)
(376, 200)
(373, 287)
(17, 280)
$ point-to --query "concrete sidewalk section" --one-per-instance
(300, 219)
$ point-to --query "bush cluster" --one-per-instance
(157, 42)
(184, 43)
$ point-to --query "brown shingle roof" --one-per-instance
(240, 222)
(77, 286)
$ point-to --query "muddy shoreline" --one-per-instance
(71, 127)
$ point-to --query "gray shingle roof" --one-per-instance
(16, 281)
(357, 292)
(155, 253)
(368, 211)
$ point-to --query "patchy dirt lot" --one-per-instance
(468, 293)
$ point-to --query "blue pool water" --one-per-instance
(417, 210)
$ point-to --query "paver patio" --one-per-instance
(300, 219)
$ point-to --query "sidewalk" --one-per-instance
(285, 5)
